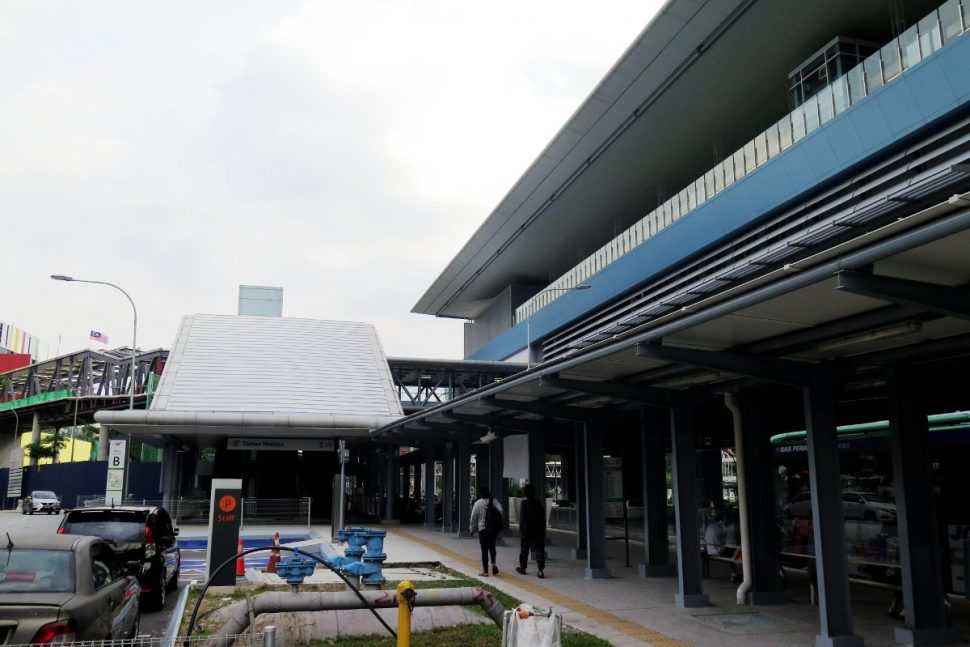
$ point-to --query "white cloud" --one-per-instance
(342, 150)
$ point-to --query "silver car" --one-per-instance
(64, 588)
(41, 501)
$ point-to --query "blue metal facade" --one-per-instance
(931, 91)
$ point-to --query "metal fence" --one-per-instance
(253, 639)
(253, 511)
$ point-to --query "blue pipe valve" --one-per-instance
(295, 569)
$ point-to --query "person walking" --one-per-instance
(532, 529)
(486, 520)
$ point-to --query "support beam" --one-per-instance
(447, 488)
(831, 563)
(537, 468)
(579, 477)
(690, 592)
(392, 483)
(497, 483)
(429, 486)
(654, 424)
(919, 544)
(758, 411)
(767, 368)
(506, 422)
(575, 414)
(463, 493)
(930, 297)
(621, 391)
(596, 568)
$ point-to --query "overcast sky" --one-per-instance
(341, 150)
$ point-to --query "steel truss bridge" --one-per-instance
(79, 383)
(422, 383)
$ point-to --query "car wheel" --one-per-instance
(136, 628)
(50, 512)
(31, 511)
(173, 584)
(156, 599)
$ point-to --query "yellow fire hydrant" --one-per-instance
(405, 605)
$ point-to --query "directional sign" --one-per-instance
(281, 444)
(117, 462)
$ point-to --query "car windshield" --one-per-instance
(874, 498)
(116, 526)
(44, 494)
(37, 571)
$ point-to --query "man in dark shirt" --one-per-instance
(532, 528)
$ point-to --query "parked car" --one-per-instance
(64, 588)
(144, 539)
(41, 501)
(855, 505)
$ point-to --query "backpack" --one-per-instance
(493, 519)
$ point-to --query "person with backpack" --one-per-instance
(486, 520)
(532, 531)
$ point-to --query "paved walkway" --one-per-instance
(631, 611)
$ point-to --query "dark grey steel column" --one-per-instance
(831, 563)
(537, 467)
(595, 521)
(919, 545)
(766, 584)
(447, 488)
(391, 484)
(579, 478)
(497, 483)
(690, 593)
(429, 486)
(654, 424)
(464, 486)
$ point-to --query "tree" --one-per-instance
(49, 446)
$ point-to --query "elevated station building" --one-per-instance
(752, 236)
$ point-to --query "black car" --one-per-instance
(144, 539)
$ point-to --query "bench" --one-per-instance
(732, 557)
(860, 581)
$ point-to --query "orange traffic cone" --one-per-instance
(240, 562)
(274, 555)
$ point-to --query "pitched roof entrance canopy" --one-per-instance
(252, 376)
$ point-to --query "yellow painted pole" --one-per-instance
(405, 602)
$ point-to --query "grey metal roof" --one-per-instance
(702, 76)
(249, 375)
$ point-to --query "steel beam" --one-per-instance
(579, 472)
(654, 423)
(942, 299)
(622, 391)
(596, 568)
(392, 484)
(766, 368)
(429, 486)
(575, 414)
(464, 468)
(831, 563)
(924, 597)
(690, 592)
(447, 488)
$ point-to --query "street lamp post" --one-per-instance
(134, 330)
(528, 319)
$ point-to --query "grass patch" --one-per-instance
(465, 635)
(473, 635)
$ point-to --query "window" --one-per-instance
(105, 567)
(36, 571)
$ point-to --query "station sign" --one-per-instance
(114, 490)
(281, 444)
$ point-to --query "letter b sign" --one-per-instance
(116, 461)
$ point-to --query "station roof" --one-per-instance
(702, 77)
(256, 375)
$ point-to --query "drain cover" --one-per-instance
(750, 622)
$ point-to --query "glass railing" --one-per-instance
(948, 22)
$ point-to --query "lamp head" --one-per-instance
(61, 277)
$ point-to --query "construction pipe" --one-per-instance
(732, 404)
(343, 600)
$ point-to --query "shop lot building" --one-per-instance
(768, 205)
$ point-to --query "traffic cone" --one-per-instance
(240, 562)
(274, 555)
